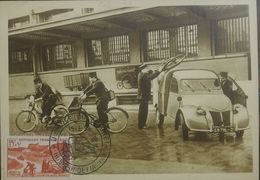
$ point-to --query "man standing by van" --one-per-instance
(227, 86)
(145, 77)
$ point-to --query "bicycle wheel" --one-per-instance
(173, 61)
(127, 81)
(58, 113)
(26, 121)
(79, 122)
(117, 119)
(120, 85)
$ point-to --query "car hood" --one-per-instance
(218, 102)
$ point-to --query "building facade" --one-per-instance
(62, 46)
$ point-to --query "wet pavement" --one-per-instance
(166, 145)
(164, 151)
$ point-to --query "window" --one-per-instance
(20, 62)
(53, 14)
(76, 81)
(197, 85)
(232, 35)
(174, 86)
(58, 57)
(19, 22)
(112, 50)
(165, 43)
(87, 10)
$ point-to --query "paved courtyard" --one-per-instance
(163, 151)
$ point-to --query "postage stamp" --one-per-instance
(81, 153)
(30, 157)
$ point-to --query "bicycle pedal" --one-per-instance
(48, 123)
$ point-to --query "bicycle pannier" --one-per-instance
(110, 94)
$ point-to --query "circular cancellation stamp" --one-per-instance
(82, 153)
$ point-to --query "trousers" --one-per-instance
(47, 106)
(143, 112)
(102, 106)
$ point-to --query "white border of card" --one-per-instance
(7, 7)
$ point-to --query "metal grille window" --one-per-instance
(232, 35)
(63, 53)
(112, 50)
(158, 45)
(76, 81)
(164, 43)
(20, 62)
(19, 56)
(58, 57)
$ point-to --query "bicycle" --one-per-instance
(27, 119)
(117, 119)
(128, 80)
(173, 61)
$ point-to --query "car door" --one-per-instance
(239, 96)
(173, 103)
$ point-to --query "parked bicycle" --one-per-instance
(28, 118)
(129, 79)
(117, 119)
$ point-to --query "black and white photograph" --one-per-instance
(106, 88)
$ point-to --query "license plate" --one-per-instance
(222, 129)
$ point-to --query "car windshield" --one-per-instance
(200, 84)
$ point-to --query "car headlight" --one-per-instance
(236, 108)
(201, 111)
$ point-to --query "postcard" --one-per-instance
(129, 89)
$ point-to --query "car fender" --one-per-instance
(241, 118)
(194, 121)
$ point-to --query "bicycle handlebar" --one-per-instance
(173, 61)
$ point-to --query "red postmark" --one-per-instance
(30, 157)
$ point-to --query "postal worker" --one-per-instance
(227, 86)
(45, 93)
(98, 88)
(145, 77)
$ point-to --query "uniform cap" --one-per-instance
(37, 80)
(223, 74)
(92, 74)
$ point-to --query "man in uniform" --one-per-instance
(227, 86)
(145, 77)
(45, 93)
(98, 88)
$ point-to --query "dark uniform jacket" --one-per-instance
(227, 88)
(144, 84)
(98, 88)
(45, 92)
